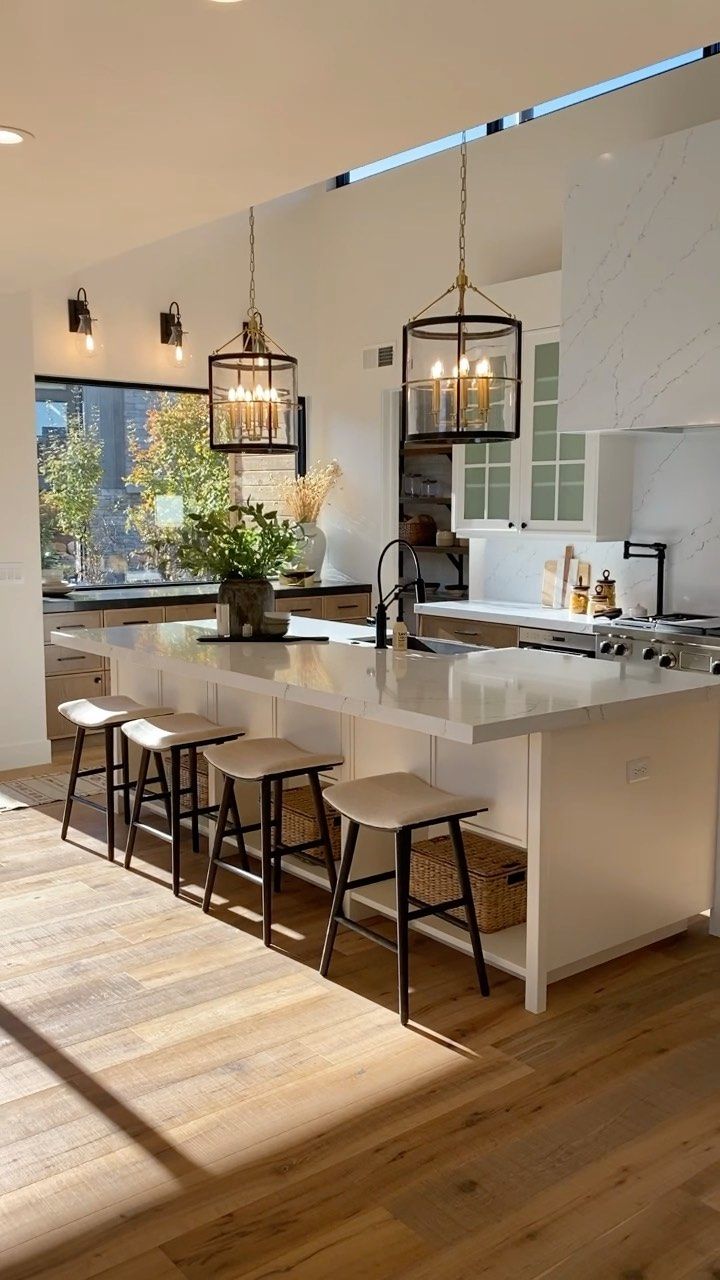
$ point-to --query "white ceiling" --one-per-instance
(152, 116)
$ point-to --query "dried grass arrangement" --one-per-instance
(303, 496)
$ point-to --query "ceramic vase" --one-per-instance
(312, 553)
(241, 602)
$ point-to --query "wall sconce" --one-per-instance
(172, 335)
(80, 322)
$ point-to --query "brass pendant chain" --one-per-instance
(462, 280)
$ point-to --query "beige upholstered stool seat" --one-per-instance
(102, 713)
(392, 801)
(182, 729)
(257, 758)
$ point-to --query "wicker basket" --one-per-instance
(419, 531)
(300, 823)
(498, 874)
(202, 771)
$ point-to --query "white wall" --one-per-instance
(22, 687)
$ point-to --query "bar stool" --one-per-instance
(106, 713)
(401, 802)
(183, 731)
(270, 762)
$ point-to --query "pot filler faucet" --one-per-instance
(394, 593)
(650, 551)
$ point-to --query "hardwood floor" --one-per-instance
(177, 1102)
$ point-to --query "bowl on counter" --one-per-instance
(297, 577)
(275, 624)
(57, 587)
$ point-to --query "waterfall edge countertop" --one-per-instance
(514, 614)
(128, 597)
(476, 697)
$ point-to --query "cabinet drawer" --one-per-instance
(133, 617)
(353, 607)
(60, 661)
(71, 622)
(307, 606)
(62, 689)
(495, 635)
(189, 612)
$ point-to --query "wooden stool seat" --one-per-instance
(401, 802)
(175, 733)
(270, 762)
(108, 714)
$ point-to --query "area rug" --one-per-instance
(43, 788)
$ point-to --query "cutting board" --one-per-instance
(552, 583)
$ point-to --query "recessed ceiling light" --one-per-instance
(10, 137)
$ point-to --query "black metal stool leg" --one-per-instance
(137, 804)
(336, 909)
(125, 762)
(244, 863)
(403, 850)
(72, 781)
(160, 769)
(194, 799)
(226, 800)
(277, 805)
(266, 843)
(323, 827)
(110, 792)
(458, 845)
(175, 819)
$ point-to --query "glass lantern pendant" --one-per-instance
(461, 372)
(253, 391)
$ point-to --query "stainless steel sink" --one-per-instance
(427, 644)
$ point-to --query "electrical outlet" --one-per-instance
(637, 770)
(12, 572)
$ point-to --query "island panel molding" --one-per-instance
(641, 254)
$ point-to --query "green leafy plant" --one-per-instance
(72, 469)
(242, 542)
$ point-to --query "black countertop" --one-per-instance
(127, 597)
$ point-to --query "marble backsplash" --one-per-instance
(676, 499)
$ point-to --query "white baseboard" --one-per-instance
(19, 755)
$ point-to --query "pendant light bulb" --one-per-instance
(80, 323)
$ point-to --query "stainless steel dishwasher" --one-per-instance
(578, 642)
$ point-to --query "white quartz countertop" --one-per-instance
(469, 698)
(517, 615)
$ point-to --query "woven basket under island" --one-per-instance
(498, 874)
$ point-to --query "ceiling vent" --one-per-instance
(382, 357)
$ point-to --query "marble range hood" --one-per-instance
(640, 338)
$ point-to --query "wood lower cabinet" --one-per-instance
(352, 607)
(133, 617)
(494, 635)
(190, 612)
(304, 606)
(63, 689)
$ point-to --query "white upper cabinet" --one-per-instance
(641, 262)
(544, 483)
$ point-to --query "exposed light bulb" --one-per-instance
(464, 367)
(89, 343)
(482, 368)
(437, 370)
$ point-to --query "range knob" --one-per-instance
(620, 649)
(649, 654)
(667, 660)
(715, 668)
(606, 647)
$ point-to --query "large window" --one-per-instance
(119, 470)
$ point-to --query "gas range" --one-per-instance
(688, 642)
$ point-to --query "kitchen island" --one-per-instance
(608, 778)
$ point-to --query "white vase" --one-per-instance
(312, 552)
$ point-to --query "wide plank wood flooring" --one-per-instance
(178, 1103)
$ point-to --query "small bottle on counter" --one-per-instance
(399, 637)
(247, 631)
